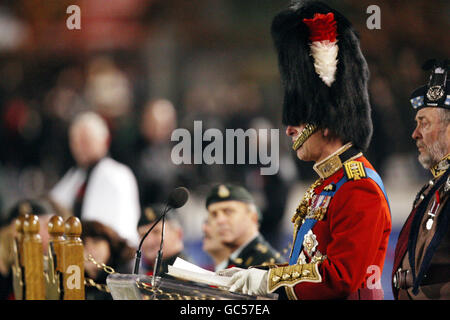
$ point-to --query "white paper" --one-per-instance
(182, 269)
(183, 264)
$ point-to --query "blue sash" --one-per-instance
(309, 223)
(306, 226)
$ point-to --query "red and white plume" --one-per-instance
(323, 45)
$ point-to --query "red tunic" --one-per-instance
(354, 237)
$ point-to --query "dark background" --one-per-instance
(214, 61)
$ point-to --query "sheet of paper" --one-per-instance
(183, 264)
(185, 270)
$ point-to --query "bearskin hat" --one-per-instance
(324, 74)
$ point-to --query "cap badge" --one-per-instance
(223, 192)
(150, 214)
(435, 93)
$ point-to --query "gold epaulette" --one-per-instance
(354, 170)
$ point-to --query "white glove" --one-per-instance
(251, 281)
(229, 272)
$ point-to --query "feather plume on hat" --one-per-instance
(323, 45)
(323, 72)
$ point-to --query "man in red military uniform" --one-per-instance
(421, 269)
(342, 224)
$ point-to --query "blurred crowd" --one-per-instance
(149, 67)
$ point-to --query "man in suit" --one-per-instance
(421, 267)
(233, 215)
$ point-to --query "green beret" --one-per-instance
(228, 192)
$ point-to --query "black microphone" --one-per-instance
(177, 198)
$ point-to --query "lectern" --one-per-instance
(138, 287)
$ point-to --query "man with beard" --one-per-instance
(342, 224)
(422, 256)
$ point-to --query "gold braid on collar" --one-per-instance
(331, 164)
(324, 169)
(441, 166)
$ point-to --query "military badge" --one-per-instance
(319, 206)
(310, 243)
(310, 254)
(432, 212)
(441, 167)
(429, 224)
(150, 214)
(223, 191)
(434, 93)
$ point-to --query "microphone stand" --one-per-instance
(158, 259)
(138, 252)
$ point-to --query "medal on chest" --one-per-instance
(308, 213)
(432, 212)
(310, 253)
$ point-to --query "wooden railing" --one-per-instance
(56, 275)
